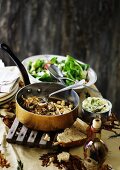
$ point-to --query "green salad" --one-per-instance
(70, 68)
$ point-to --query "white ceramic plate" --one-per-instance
(92, 77)
(7, 96)
(6, 101)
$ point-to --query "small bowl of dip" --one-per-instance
(96, 107)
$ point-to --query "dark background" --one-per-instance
(87, 29)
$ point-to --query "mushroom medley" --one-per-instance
(37, 105)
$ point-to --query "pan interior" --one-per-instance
(44, 89)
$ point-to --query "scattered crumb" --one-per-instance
(47, 137)
(74, 163)
(64, 156)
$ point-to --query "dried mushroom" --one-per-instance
(53, 107)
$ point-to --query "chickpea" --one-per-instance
(63, 103)
(71, 106)
(58, 102)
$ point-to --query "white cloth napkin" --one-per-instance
(1, 64)
(8, 78)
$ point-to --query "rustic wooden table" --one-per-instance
(27, 158)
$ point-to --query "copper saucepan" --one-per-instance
(42, 122)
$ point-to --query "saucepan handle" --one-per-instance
(21, 67)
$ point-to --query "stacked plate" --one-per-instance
(10, 89)
(6, 97)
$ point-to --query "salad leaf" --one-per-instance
(36, 69)
(46, 77)
(33, 66)
(74, 70)
(54, 60)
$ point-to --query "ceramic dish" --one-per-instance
(7, 100)
(96, 107)
(4, 96)
(92, 77)
(8, 96)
